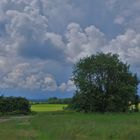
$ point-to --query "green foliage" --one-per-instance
(104, 84)
(14, 105)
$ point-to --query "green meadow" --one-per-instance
(52, 123)
(47, 107)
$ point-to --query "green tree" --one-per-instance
(104, 84)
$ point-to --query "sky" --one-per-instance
(41, 40)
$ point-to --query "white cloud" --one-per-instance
(91, 40)
(127, 46)
(126, 12)
(63, 87)
(69, 86)
(56, 40)
(27, 44)
(25, 26)
(24, 31)
(60, 13)
(26, 76)
(82, 43)
(49, 83)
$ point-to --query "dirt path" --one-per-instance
(5, 119)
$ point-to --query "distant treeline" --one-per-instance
(52, 100)
(55, 100)
(14, 105)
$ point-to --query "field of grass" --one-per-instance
(65, 125)
(47, 107)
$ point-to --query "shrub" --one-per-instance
(16, 105)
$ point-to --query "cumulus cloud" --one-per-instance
(24, 76)
(30, 40)
(91, 40)
(25, 26)
(127, 46)
(24, 37)
(27, 76)
(125, 12)
(68, 86)
(82, 43)
(60, 13)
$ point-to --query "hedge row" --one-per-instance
(17, 105)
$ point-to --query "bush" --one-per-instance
(16, 105)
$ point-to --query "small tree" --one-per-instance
(104, 84)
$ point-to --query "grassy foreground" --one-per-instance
(63, 125)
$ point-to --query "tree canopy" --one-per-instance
(104, 84)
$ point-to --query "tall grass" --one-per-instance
(65, 125)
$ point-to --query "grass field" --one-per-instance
(64, 125)
(47, 107)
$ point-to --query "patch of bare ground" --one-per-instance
(5, 119)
